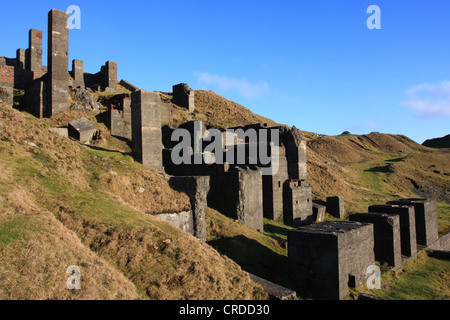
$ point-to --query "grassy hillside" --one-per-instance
(65, 204)
(62, 204)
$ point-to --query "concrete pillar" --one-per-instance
(77, 73)
(110, 76)
(21, 58)
(146, 128)
(407, 225)
(58, 61)
(35, 51)
(184, 96)
(335, 207)
(386, 230)
(426, 219)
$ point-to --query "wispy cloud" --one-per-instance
(224, 84)
(430, 100)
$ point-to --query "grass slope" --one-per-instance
(66, 204)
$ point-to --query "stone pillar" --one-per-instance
(58, 61)
(407, 225)
(297, 202)
(327, 258)
(21, 58)
(273, 188)
(335, 207)
(184, 96)
(197, 189)
(35, 51)
(77, 73)
(35, 98)
(110, 76)
(146, 128)
(426, 219)
(386, 230)
(6, 83)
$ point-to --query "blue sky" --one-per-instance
(312, 64)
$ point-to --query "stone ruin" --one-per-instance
(327, 258)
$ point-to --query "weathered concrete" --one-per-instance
(318, 212)
(35, 96)
(426, 219)
(109, 71)
(21, 59)
(407, 225)
(118, 126)
(336, 207)
(386, 235)
(297, 202)
(77, 73)
(58, 61)
(146, 128)
(6, 83)
(82, 130)
(273, 189)
(34, 57)
(296, 154)
(128, 85)
(238, 194)
(182, 220)
(275, 292)
(197, 189)
(328, 258)
(184, 96)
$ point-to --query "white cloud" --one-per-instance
(431, 100)
(244, 87)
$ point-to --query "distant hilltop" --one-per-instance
(443, 142)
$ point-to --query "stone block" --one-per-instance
(184, 96)
(197, 189)
(335, 206)
(318, 212)
(407, 225)
(327, 258)
(425, 211)
(386, 235)
(34, 56)
(82, 130)
(146, 128)
(297, 202)
(58, 61)
(77, 73)
(35, 96)
(237, 193)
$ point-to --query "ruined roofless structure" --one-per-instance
(47, 87)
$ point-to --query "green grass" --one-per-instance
(424, 278)
(14, 229)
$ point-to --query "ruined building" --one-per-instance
(248, 173)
